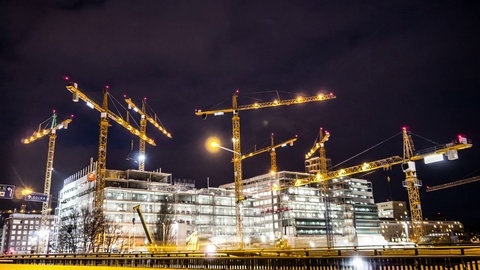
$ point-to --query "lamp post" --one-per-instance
(213, 144)
(163, 233)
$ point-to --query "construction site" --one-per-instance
(319, 207)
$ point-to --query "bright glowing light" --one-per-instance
(90, 105)
(218, 113)
(365, 166)
(211, 144)
(27, 191)
(43, 233)
(433, 158)
(141, 157)
(211, 249)
(359, 263)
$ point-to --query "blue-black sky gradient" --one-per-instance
(390, 63)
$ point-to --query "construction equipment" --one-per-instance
(105, 114)
(408, 166)
(237, 161)
(41, 132)
(271, 149)
(192, 241)
(151, 243)
(454, 183)
(144, 117)
(322, 168)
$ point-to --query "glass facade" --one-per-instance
(294, 213)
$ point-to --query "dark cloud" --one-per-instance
(390, 64)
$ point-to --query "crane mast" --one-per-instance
(143, 128)
(237, 161)
(273, 156)
(105, 115)
(142, 144)
(44, 228)
(412, 185)
(323, 168)
(237, 172)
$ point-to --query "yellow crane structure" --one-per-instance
(41, 132)
(105, 114)
(237, 161)
(312, 166)
(411, 182)
(271, 149)
(144, 117)
(454, 184)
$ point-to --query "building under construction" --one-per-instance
(296, 215)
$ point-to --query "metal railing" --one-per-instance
(312, 259)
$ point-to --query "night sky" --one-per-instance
(390, 63)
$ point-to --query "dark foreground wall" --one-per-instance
(435, 259)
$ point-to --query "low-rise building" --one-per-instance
(21, 233)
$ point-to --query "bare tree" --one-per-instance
(68, 240)
(112, 236)
(163, 226)
(84, 231)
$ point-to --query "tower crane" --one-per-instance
(271, 149)
(143, 128)
(454, 183)
(41, 132)
(408, 166)
(322, 161)
(237, 161)
(323, 168)
(105, 114)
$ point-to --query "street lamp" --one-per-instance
(213, 145)
(27, 191)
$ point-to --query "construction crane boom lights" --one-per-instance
(143, 114)
(237, 164)
(42, 247)
(408, 166)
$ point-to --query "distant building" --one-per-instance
(396, 226)
(392, 210)
(20, 233)
(436, 231)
